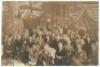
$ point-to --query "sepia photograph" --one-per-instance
(50, 33)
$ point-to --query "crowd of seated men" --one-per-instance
(54, 45)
